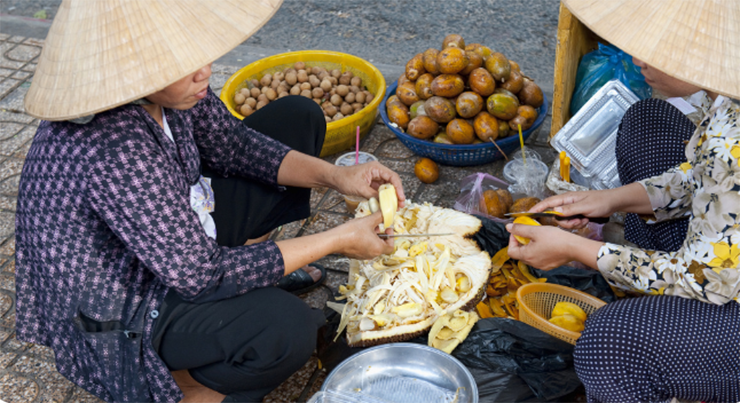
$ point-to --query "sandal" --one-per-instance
(299, 282)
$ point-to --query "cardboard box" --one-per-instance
(574, 40)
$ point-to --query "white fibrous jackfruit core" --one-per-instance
(399, 296)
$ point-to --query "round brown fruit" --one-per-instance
(514, 83)
(498, 65)
(531, 94)
(523, 204)
(429, 59)
(447, 85)
(407, 93)
(417, 109)
(468, 104)
(484, 52)
(415, 67)
(452, 60)
(502, 106)
(440, 109)
(503, 129)
(485, 126)
(474, 62)
(481, 81)
(525, 116)
(422, 127)
(442, 138)
(505, 197)
(393, 100)
(399, 114)
(423, 86)
(426, 170)
(453, 40)
(460, 131)
(494, 206)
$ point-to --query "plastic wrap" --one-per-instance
(470, 200)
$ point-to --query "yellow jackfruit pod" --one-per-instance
(373, 204)
(388, 203)
(568, 322)
(408, 309)
(569, 308)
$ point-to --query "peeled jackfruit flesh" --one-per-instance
(388, 203)
(568, 322)
(563, 308)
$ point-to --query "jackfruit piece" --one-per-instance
(563, 308)
(568, 322)
(373, 204)
(407, 310)
(448, 295)
(445, 333)
(388, 203)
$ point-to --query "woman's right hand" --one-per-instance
(592, 203)
(359, 238)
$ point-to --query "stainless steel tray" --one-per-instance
(589, 138)
(400, 373)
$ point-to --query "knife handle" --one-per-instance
(597, 220)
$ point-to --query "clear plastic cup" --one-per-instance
(348, 160)
(526, 178)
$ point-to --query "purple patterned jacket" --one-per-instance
(104, 228)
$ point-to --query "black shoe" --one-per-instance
(299, 282)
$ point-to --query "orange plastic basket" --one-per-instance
(536, 301)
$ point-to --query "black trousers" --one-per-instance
(244, 347)
(651, 139)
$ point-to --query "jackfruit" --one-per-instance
(563, 308)
(568, 322)
(388, 203)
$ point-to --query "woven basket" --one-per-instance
(536, 301)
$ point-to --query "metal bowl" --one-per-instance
(401, 372)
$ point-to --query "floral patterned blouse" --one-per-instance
(706, 188)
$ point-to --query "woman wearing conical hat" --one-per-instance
(144, 208)
(682, 340)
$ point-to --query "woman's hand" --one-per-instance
(592, 203)
(364, 179)
(360, 238)
(550, 247)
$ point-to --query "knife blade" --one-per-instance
(412, 235)
(558, 216)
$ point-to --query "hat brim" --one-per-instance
(696, 41)
(106, 53)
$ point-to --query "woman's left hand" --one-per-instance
(550, 247)
(364, 179)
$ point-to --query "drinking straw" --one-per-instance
(521, 142)
(357, 147)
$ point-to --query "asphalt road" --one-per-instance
(385, 32)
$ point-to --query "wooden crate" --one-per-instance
(574, 40)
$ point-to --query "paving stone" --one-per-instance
(6, 302)
(9, 267)
(16, 345)
(334, 202)
(4, 37)
(21, 75)
(18, 389)
(34, 42)
(6, 72)
(22, 152)
(23, 53)
(54, 386)
(41, 352)
(7, 283)
(4, 61)
(317, 195)
(4, 336)
(395, 150)
(8, 321)
(9, 130)
(6, 116)
(10, 171)
(8, 248)
(289, 230)
(11, 144)
(7, 224)
(14, 101)
(378, 135)
(80, 395)
(30, 67)
(6, 358)
(7, 85)
(16, 39)
(29, 366)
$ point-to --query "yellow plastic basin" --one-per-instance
(341, 134)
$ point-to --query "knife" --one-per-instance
(558, 216)
(412, 235)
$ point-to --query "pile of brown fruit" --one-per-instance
(463, 95)
(338, 93)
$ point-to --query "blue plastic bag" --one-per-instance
(599, 67)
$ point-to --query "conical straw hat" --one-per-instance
(103, 53)
(697, 41)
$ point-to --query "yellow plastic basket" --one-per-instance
(341, 134)
(536, 301)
